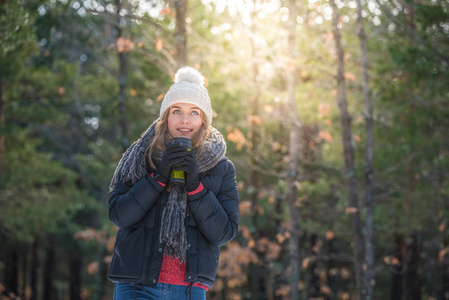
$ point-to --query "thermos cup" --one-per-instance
(178, 177)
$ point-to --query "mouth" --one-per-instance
(185, 130)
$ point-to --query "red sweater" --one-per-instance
(174, 272)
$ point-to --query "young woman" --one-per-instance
(169, 235)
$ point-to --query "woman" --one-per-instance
(167, 246)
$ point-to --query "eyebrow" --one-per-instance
(193, 107)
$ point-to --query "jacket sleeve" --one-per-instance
(129, 204)
(217, 216)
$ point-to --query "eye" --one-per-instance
(195, 112)
(176, 111)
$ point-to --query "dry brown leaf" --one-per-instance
(159, 44)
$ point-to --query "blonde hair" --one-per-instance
(162, 135)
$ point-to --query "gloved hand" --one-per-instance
(173, 155)
(188, 165)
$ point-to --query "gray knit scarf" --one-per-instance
(132, 167)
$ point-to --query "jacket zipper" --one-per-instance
(186, 224)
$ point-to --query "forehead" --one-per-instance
(184, 106)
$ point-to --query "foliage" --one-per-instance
(61, 127)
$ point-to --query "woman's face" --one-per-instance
(184, 120)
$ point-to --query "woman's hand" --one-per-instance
(188, 165)
(172, 156)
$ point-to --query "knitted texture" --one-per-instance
(132, 168)
(173, 231)
(173, 271)
(188, 88)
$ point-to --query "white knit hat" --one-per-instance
(188, 88)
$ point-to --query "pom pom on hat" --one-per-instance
(189, 74)
(188, 88)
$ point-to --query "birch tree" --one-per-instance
(123, 46)
(368, 277)
(254, 138)
(180, 7)
(294, 154)
(349, 157)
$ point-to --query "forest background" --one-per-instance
(336, 115)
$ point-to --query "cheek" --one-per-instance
(171, 124)
(198, 123)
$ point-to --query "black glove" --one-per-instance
(172, 156)
(188, 165)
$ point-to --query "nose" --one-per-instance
(185, 118)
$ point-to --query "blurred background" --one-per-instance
(335, 113)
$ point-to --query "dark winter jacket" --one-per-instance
(212, 220)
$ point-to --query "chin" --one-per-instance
(188, 135)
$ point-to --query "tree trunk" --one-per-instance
(2, 138)
(258, 272)
(294, 151)
(411, 276)
(181, 32)
(348, 150)
(34, 269)
(397, 278)
(254, 136)
(334, 278)
(368, 277)
(445, 289)
(25, 260)
(270, 284)
(444, 294)
(122, 80)
(49, 288)
(102, 276)
(314, 277)
(11, 271)
(75, 269)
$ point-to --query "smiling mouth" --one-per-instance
(185, 130)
